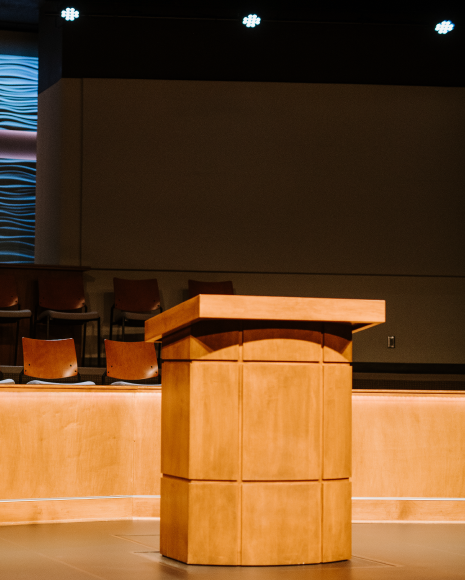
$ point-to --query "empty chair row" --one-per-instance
(61, 301)
(55, 361)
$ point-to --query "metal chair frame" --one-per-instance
(71, 312)
(137, 300)
(10, 307)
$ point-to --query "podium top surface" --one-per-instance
(360, 314)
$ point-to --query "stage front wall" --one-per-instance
(73, 454)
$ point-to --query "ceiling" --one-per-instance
(24, 14)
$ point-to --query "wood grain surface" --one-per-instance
(200, 420)
(214, 421)
(204, 340)
(147, 444)
(337, 417)
(256, 420)
(409, 445)
(292, 508)
(281, 422)
(337, 343)
(359, 313)
(214, 523)
(391, 510)
(337, 527)
(70, 510)
(282, 341)
(69, 444)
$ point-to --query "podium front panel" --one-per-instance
(256, 443)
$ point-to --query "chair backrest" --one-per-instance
(62, 293)
(131, 361)
(136, 295)
(196, 287)
(49, 359)
(8, 291)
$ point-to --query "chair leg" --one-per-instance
(111, 322)
(158, 351)
(98, 342)
(32, 329)
(16, 342)
(83, 354)
(48, 326)
(122, 328)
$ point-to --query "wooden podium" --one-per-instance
(256, 428)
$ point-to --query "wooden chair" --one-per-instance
(196, 287)
(137, 301)
(62, 301)
(133, 362)
(10, 308)
(50, 360)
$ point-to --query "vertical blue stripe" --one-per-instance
(18, 111)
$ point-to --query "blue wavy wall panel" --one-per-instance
(18, 112)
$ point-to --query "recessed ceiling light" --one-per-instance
(444, 27)
(251, 21)
(70, 14)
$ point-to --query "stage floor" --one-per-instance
(128, 550)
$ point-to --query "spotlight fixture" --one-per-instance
(70, 14)
(251, 21)
(444, 27)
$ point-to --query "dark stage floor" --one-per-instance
(127, 550)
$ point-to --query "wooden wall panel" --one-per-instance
(409, 445)
(66, 444)
(386, 510)
(69, 451)
(281, 421)
(70, 510)
(147, 443)
(146, 507)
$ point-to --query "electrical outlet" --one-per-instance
(391, 343)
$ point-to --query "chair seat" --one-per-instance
(140, 383)
(84, 383)
(70, 316)
(137, 315)
(15, 314)
(7, 382)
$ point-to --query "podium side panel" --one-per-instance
(337, 524)
(214, 421)
(175, 419)
(174, 518)
(337, 421)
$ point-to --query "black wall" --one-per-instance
(99, 46)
